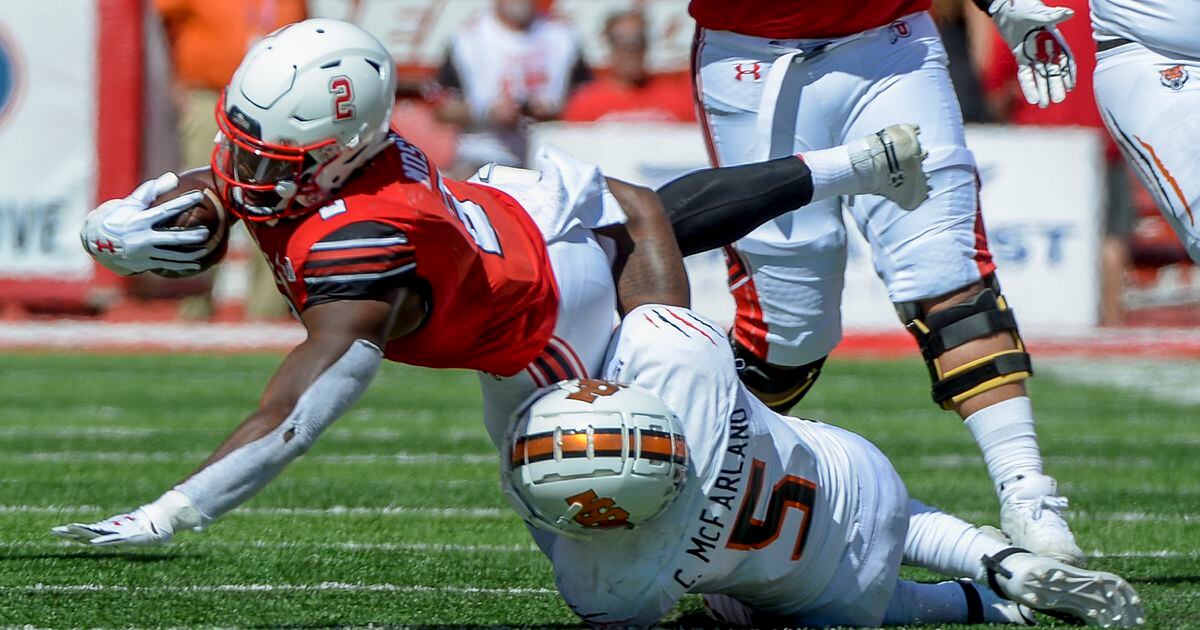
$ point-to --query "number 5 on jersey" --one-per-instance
(790, 492)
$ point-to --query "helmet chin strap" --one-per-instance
(285, 189)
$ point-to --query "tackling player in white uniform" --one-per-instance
(1147, 52)
(669, 477)
(520, 278)
(774, 77)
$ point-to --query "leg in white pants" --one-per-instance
(766, 98)
(1151, 106)
(789, 299)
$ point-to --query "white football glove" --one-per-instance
(151, 525)
(120, 233)
(1045, 67)
(135, 529)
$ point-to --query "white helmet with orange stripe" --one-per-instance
(308, 105)
(593, 455)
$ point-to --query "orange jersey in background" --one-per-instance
(209, 37)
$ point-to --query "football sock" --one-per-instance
(946, 544)
(1007, 439)
(946, 602)
(833, 174)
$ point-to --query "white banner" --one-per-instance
(1042, 197)
(47, 136)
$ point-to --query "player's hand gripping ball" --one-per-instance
(208, 212)
(174, 226)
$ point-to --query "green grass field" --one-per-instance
(395, 516)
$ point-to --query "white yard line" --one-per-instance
(139, 457)
(332, 546)
(337, 510)
(349, 587)
(336, 435)
(950, 461)
(439, 548)
(462, 512)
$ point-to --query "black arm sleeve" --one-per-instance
(715, 207)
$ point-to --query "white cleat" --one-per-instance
(1031, 516)
(135, 529)
(892, 159)
(1095, 598)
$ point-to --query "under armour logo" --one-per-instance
(749, 69)
(1046, 48)
(899, 29)
(105, 246)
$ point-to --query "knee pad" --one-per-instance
(779, 387)
(983, 316)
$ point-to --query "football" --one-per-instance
(210, 213)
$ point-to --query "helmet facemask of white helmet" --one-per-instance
(585, 457)
(308, 106)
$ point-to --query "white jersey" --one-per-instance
(1168, 27)
(769, 508)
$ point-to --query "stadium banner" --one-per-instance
(418, 32)
(47, 125)
(1042, 197)
(70, 109)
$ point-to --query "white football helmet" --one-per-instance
(593, 455)
(308, 105)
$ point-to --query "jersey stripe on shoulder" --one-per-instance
(357, 261)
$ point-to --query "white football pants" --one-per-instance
(1151, 105)
(767, 98)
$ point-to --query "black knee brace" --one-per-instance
(779, 387)
(984, 315)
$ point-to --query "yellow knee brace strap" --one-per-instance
(983, 316)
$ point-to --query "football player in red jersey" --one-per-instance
(520, 276)
(773, 78)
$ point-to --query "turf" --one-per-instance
(395, 517)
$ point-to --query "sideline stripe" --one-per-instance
(141, 337)
(351, 587)
(460, 512)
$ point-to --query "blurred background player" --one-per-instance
(669, 477)
(382, 257)
(208, 39)
(507, 67)
(773, 78)
(629, 92)
(1146, 52)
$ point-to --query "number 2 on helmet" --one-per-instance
(343, 95)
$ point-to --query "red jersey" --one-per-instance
(800, 19)
(473, 253)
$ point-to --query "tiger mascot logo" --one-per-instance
(1173, 77)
